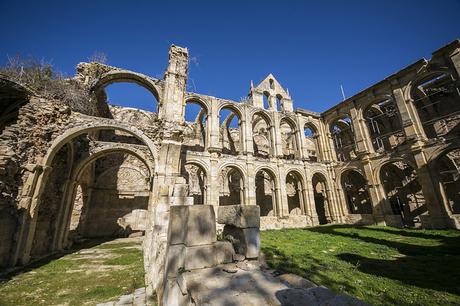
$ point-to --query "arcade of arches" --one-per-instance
(388, 155)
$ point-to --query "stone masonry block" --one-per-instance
(199, 257)
(175, 259)
(242, 216)
(192, 225)
(224, 252)
(246, 241)
(201, 225)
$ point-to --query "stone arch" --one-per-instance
(383, 123)
(231, 106)
(446, 165)
(203, 102)
(120, 194)
(294, 190)
(383, 162)
(125, 76)
(266, 188)
(262, 134)
(77, 131)
(233, 185)
(45, 178)
(403, 191)
(312, 144)
(434, 94)
(231, 138)
(321, 197)
(289, 141)
(356, 192)
(196, 176)
(342, 133)
(196, 136)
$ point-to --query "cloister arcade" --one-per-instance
(387, 155)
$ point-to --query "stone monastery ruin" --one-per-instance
(388, 155)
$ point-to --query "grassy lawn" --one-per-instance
(380, 265)
(85, 277)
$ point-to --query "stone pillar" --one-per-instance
(214, 133)
(29, 223)
(249, 149)
(277, 142)
(251, 200)
(437, 215)
(300, 139)
(214, 181)
(411, 124)
(359, 127)
(378, 203)
(172, 103)
(282, 194)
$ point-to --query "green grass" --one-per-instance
(380, 265)
(94, 275)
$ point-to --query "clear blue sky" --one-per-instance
(310, 47)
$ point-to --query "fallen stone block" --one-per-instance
(192, 225)
(224, 252)
(246, 241)
(242, 216)
(199, 257)
(175, 259)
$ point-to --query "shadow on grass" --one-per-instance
(9, 274)
(426, 266)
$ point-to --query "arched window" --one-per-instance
(384, 124)
(288, 139)
(266, 100)
(230, 132)
(403, 191)
(321, 198)
(197, 181)
(265, 193)
(448, 167)
(344, 138)
(356, 193)
(232, 187)
(279, 102)
(261, 136)
(196, 118)
(437, 100)
(312, 150)
(294, 192)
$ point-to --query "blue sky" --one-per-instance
(310, 47)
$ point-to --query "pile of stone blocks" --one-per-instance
(192, 245)
(241, 228)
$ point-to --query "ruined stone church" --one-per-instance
(388, 155)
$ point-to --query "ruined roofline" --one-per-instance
(416, 65)
(307, 112)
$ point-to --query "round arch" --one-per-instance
(71, 133)
(204, 103)
(125, 76)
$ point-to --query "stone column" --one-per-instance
(30, 221)
(358, 131)
(411, 123)
(378, 203)
(172, 103)
(300, 139)
(437, 215)
(282, 194)
(248, 131)
(214, 133)
(251, 183)
(277, 142)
